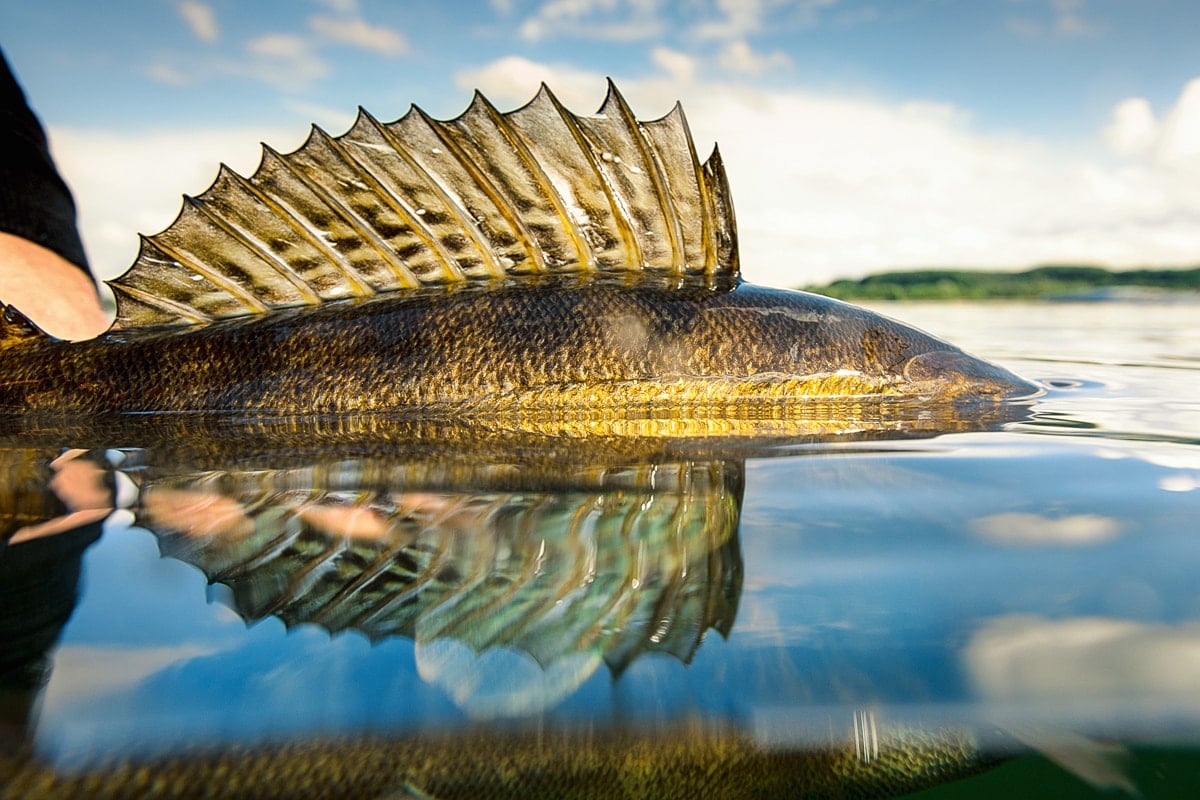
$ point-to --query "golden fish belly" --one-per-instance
(550, 344)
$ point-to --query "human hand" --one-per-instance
(53, 293)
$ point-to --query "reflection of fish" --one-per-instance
(598, 567)
(574, 558)
(677, 763)
(577, 556)
(495, 264)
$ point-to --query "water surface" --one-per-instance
(1029, 576)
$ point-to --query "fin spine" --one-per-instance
(213, 276)
(16, 327)
(466, 221)
(181, 310)
(650, 157)
(620, 213)
(254, 245)
(494, 194)
(301, 582)
(708, 224)
(587, 257)
(723, 239)
(415, 223)
(360, 582)
(358, 286)
(406, 276)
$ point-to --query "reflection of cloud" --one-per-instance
(500, 681)
(1018, 528)
(1185, 463)
(1029, 657)
(1179, 483)
(91, 671)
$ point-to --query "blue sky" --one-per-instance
(858, 134)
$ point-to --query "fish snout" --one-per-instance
(951, 374)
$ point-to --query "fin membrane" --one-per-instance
(422, 202)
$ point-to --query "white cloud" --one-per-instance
(1061, 18)
(825, 185)
(341, 6)
(200, 19)
(359, 33)
(1180, 140)
(513, 80)
(678, 66)
(828, 185)
(278, 45)
(612, 20)
(1133, 130)
(1171, 141)
(1069, 19)
(283, 60)
(125, 184)
(168, 74)
(738, 56)
(740, 18)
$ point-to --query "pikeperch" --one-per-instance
(522, 263)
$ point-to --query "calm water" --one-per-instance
(1031, 578)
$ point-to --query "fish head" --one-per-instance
(952, 374)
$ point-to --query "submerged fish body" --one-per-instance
(529, 262)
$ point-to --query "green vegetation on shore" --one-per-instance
(1039, 282)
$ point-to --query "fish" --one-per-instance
(527, 268)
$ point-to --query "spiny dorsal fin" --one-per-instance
(421, 202)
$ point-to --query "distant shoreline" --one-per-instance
(1051, 282)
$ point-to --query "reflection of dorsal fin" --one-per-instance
(420, 202)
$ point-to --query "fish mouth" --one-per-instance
(953, 375)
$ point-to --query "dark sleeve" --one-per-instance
(35, 203)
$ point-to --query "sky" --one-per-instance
(858, 135)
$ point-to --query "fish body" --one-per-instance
(526, 262)
(556, 343)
